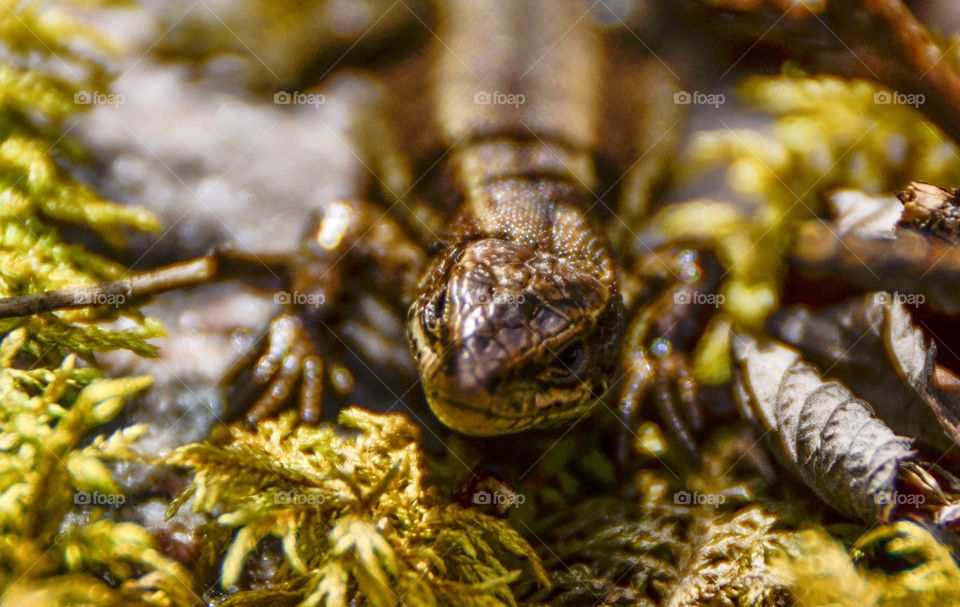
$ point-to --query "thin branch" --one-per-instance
(910, 263)
(164, 278)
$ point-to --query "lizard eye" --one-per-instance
(573, 357)
(569, 364)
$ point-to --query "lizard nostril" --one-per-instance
(440, 303)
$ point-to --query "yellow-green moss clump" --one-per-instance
(44, 81)
(354, 516)
(56, 544)
(51, 554)
(898, 564)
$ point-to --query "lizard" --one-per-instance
(538, 138)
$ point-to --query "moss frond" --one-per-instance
(872, 139)
(866, 141)
(898, 564)
(354, 516)
(726, 562)
(51, 550)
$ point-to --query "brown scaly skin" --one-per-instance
(517, 322)
(521, 328)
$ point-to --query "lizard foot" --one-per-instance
(288, 367)
(660, 376)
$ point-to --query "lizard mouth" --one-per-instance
(481, 417)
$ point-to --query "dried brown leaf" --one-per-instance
(830, 438)
(872, 345)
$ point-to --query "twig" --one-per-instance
(912, 262)
(164, 278)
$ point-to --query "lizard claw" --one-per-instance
(668, 320)
(265, 380)
(675, 395)
(661, 375)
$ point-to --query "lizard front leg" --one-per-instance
(350, 280)
(669, 294)
(348, 283)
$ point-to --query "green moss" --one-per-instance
(45, 80)
(47, 469)
(354, 515)
(53, 548)
(898, 564)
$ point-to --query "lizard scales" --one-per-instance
(517, 324)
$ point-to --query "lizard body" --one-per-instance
(517, 322)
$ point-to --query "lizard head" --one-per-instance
(508, 337)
